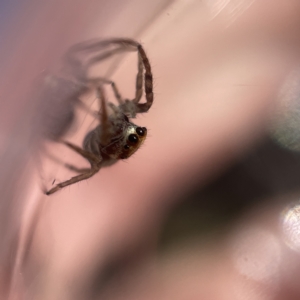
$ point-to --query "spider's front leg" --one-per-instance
(132, 107)
(73, 180)
(95, 167)
(144, 107)
(120, 45)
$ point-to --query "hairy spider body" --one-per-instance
(126, 140)
(115, 137)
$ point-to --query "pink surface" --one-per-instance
(217, 68)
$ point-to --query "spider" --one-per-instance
(116, 137)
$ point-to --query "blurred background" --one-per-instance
(208, 208)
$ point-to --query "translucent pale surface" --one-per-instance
(217, 68)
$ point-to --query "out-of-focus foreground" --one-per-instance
(208, 208)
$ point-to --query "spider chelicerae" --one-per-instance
(116, 137)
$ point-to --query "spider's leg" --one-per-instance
(80, 67)
(87, 109)
(116, 93)
(105, 132)
(141, 107)
(100, 80)
(139, 81)
(133, 107)
(124, 47)
(114, 108)
(129, 107)
(144, 107)
(86, 154)
(89, 173)
(75, 169)
(66, 165)
(105, 55)
(96, 45)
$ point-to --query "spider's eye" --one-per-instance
(126, 147)
(141, 131)
(133, 138)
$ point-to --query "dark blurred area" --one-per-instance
(267, 172)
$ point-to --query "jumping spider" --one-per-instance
(115, 137)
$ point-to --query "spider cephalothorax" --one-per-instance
(115, 137)
(121, 142)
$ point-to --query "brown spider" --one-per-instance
(115, 137)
